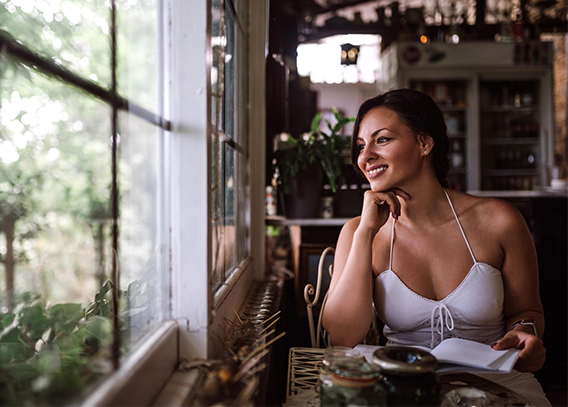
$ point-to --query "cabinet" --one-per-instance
(510, 135)
(497, 110)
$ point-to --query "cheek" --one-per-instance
(407, 155)
(360, 163)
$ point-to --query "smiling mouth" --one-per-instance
(375, 172)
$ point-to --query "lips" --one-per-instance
(376, 171)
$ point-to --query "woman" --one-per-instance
(437, 263)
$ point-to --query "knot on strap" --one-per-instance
(441, 319)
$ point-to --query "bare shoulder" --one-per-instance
(491, 214)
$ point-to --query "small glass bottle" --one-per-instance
(332, 355)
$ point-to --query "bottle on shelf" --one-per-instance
(457, 157)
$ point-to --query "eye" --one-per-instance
(381, 140)
(360, 147)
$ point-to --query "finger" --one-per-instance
(530, 360)
(394, 204)
(506, 343)
(401, 193)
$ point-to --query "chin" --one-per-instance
(378, 186)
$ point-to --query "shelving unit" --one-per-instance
(451, 96)
(510, 129)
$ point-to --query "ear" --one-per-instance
(426, 143)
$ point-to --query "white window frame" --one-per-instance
(196, 311)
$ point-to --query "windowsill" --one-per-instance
(225, 289)
(132, 384)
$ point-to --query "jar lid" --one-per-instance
(404, 360)
(354, 373)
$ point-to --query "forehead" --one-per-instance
(379, 118)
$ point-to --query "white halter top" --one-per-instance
(474, 310)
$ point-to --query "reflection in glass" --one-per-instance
(141, 248)
(72, 33)
(54, 239)
(217, 213)
(229, 76)
(230, 210)
(137, 38)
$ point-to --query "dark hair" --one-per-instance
(419, 112)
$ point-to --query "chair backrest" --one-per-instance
(317, 333)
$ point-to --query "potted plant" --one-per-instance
(306, 163)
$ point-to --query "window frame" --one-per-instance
(195, 310)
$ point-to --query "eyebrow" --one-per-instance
(373, 134)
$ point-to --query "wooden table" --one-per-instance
(303, 377)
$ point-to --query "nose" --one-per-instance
(366, 155)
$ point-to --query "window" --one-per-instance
(228, 141)
(82, 192)
(126, 176)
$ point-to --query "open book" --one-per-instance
(460, 355)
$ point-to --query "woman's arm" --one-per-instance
(520, 279)
(348, 310)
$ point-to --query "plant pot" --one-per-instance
(303, 201)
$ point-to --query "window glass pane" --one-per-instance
(137, 23)
(141, 249)
(242, 226)
(230, 209)
(54, 238)
(230, 59)
(73, 33)
(217, 47)
(217, 213)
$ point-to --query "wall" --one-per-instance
(344, 96)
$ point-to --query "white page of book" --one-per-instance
(469, 353)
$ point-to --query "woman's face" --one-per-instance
(390, 154)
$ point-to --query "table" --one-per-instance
(303, 375)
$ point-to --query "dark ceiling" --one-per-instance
(477, 20)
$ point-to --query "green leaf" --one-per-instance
(97, 327)
(22, 372)
(336, 113)
(104, 290)
(64, 317)
(48, 360)
(314, 127)
(34, 321)
(8, 319)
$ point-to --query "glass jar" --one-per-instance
(408, 376)
(353, 383)
(331, 356)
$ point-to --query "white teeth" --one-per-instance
(376, 170)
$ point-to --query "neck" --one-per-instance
(428, 204)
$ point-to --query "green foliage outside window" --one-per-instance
(55, 220)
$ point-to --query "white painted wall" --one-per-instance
(345, 96)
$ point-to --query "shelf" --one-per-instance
(507, 141)
(509, 108)
(282, 221)
(511, 172)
